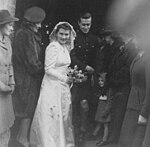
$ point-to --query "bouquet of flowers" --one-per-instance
(77, 75)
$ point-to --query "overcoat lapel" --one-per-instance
(133, 62)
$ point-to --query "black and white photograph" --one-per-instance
(74, 73)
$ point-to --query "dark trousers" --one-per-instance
(117, 114)
(80, 116)
(132, 134)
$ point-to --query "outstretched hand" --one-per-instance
(142, 120)
(89, 69)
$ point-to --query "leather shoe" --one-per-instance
(101, 143)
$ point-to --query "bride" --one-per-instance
(51, 125)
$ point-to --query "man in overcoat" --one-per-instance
(119, 82)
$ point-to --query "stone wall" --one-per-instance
(9, 5)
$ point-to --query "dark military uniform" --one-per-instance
(84, 51)
(83, 54)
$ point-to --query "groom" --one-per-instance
(83, 55)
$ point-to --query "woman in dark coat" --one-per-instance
(134, 124)
(118, 78)
(28, 68)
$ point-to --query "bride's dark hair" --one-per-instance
(64, 26)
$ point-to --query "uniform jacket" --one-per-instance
(6, 78)
(139, 98)
(84, 52)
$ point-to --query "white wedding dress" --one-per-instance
(51, 125)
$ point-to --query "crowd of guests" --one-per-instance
(55, 108)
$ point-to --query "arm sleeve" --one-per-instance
(76, 61)
(51, 55)
(146, 104)
(10, 67)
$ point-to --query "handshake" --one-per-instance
(77, 75)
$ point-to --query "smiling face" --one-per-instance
(7, 29)
(85, 24)
(101, 82)
(63, 36)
